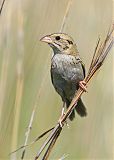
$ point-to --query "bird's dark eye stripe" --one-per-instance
(70, 42)
(57, 44)
(57, 38)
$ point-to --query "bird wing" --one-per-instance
(83, 67)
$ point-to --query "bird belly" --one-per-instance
(65, 76)
(63, 87)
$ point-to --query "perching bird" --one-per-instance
(67, 70)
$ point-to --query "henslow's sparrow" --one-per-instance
(67, 69)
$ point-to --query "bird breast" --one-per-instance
(67, 66)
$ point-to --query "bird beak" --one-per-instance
(46, 39)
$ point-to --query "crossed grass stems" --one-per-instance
(100, 53)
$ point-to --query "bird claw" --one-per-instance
(60, 123)
(62, 114)
(82, 85)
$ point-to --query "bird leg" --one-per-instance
(63, 109)
(62, 114)
(82, 85)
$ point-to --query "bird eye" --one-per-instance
(57, 38)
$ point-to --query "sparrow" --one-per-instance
(67, 70)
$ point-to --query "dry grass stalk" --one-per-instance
(100, 53)
(99, 56)
(1, 7)
(42, 85)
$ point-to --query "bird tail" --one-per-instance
(80, 108)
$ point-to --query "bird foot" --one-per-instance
(59, 121)
(61, 124)
(62, 114)
(82, 85)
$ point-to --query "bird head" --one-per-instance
(61, 43)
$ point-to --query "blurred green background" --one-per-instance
(25, 78)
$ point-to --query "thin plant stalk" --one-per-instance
(42, 84)
(99, 56)
(20, 76)
(2, 5)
